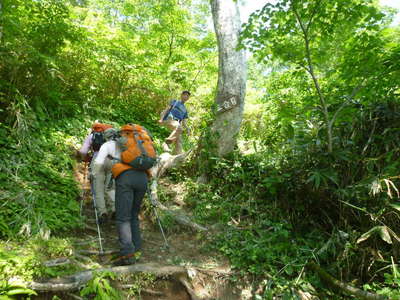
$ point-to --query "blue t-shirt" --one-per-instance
(178, 110)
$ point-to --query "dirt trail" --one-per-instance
(208, 271)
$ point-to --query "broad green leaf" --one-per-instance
(384, 234)
(395, 206)
(381, 230)
(21, 291)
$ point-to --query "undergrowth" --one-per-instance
(39, 192)
(273, 216)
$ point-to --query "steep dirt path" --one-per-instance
(207, 271)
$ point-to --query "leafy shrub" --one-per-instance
(40, 192)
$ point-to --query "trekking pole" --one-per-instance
(83, 185)
(154, 205)
(95, 212)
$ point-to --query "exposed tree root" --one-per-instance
(344, 287)
(167, 161)
(77, 280)
(214, 271)
(183, 280)
(74, 282)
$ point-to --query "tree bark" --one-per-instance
(231, 76)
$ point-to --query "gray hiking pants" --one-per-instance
(131, 187)
(104, 191)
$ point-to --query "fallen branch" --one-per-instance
(57, 262)
(77, 280)
(344, 287)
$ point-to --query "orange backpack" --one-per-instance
(137, 150)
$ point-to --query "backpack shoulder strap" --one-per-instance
(139, 143)
(171, 107)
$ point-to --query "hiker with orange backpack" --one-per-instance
(133, 154)
(100, 178)
(174, 118)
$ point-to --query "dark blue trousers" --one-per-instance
(130, 188)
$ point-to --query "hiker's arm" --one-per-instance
(86, 146)
(162, 115)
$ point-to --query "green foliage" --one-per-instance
(23, 262)
(138, 282)
(34, 32)
(121, 60)
(345, 50)
(39, 189)
(327, 56)
(100, 287)
(9, 290)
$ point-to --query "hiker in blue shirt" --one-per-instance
(174, 118)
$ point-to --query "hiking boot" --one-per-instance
(103, 219)
(125, 260)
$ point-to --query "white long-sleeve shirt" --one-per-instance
(102, 160)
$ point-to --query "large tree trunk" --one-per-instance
(231, 75)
